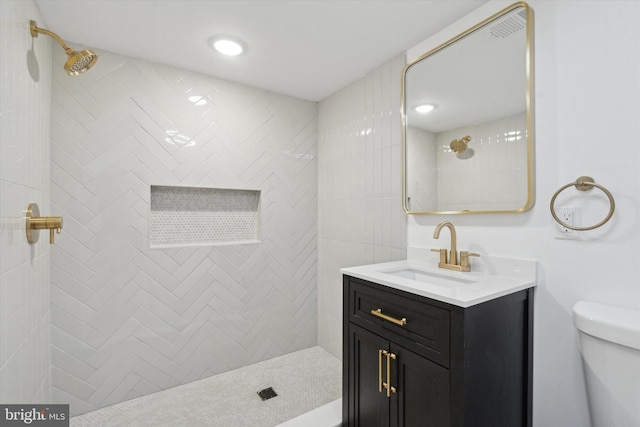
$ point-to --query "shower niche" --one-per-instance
(197, 216)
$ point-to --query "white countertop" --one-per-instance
(490, 278)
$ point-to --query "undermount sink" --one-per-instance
(426, 276)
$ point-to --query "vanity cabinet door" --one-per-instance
(368, 406)
(420, 387)
(423, 398)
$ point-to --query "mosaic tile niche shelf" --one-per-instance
(188, 216)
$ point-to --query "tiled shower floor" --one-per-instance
(303, 380)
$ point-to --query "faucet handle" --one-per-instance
(467, 253)
(443, 255)
(464, 259)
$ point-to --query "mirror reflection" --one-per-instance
(468, 135)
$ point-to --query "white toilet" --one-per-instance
(610, 347)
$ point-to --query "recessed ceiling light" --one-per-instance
(424, 108)
(226, 45)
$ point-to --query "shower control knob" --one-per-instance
(35, 223)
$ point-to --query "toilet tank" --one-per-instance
(610, 348)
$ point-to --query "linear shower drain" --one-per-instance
(267, 393)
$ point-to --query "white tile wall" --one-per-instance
(500, 147)
(422, 161)
(441, 180)
(129, 320)
(25, 105)
(360, 215)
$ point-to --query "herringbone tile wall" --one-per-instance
(129, 320)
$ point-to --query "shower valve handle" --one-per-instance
(35, 223)
(52, 223)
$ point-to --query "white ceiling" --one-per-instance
(304, 48)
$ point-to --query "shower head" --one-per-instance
(460, 145)
(78, 62)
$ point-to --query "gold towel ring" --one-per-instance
(583, 183)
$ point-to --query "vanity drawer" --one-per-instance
(425, 329)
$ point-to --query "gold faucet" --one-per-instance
(450, 261)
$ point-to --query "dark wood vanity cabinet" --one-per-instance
(444, 365)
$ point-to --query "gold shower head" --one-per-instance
(460, 145)
(78, 62)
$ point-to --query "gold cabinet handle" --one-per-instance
(380, 314)
(380, 353)
(387, 385)
(382, 385)
(390, 388)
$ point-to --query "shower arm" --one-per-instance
(35, 30)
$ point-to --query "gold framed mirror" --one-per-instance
(467, 120)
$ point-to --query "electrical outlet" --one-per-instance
(567, 215)
(567, 218)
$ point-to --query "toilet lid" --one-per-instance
(611, 323)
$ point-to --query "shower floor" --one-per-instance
(303, 380)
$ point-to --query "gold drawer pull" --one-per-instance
(378, 313)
